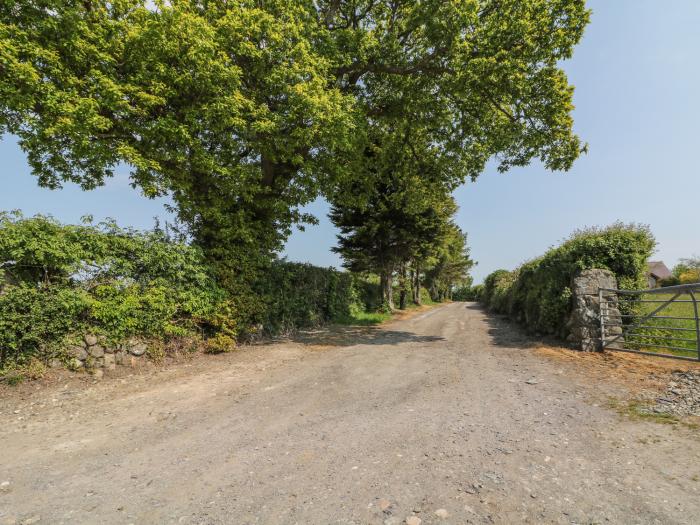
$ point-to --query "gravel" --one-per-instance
(682, 396)
(433, 411)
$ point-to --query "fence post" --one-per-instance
(601, 314)
(697, 322)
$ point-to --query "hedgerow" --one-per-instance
(298, 295)
(538, 293)
(59, 282)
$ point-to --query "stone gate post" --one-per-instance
(584, 321)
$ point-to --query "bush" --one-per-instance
(495, 285)
(476, 292)
(62, 281)
(669, 281)
(298, 295)
(34, 321)
(538, 294)
(58, 282)
(467, 293)
(690, 276)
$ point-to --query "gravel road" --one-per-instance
(444, 417)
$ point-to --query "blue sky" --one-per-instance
(637, 82)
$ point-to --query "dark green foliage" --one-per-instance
(670, 281)
(538, 294)
(34, 321)
(468, 292)
(476, 292)
(300, 295)
(61, 281)
(493, 286)
(64, 280)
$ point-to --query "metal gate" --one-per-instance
(661, 321)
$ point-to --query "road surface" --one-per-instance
(448, 417)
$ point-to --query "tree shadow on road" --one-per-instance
(359, 335)
(507, 333)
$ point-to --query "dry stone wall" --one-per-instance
(94, 351)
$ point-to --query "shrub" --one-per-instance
(300, 295)
(476, 292)
(58, 282)
(690, 276)
(35, 320)
(538, 293)
(467, 293)
(62, 281)
(494, 287)
(669, 281)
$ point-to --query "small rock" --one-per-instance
(97, 374)
(109, 349)
(55, 363)
(5, 486)
(138, 348)
(531, 382)
(413, 520)
(90, 339)
(78, 351)
(384, 504)
(96, 351)
(442, 513)
(110, 362)
(76, 363)
(30, 521)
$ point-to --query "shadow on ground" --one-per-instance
(359, 335)
(507, 333)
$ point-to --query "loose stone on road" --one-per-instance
(447, 416)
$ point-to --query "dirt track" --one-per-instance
(447, 411)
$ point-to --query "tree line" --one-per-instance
(244, 111)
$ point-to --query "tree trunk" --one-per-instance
(402, 285)
(416, 285)
(387, 285)
(412, 280)
(434, 292)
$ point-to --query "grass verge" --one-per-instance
(375, 318)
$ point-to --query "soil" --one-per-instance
(446, 416)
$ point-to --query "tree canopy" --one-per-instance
(245, 110)
(395, 217)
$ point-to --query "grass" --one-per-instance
(638, 410)
(662, 335)
(375, 318)
(365, 318)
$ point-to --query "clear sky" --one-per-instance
(637, 79)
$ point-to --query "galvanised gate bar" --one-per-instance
(661, 321)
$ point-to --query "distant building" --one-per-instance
(657, 271)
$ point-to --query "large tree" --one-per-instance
(391, 213)
(244, 110)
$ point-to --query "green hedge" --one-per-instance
(61, 281)
(298, 295)
(58, 282)
(538, 294)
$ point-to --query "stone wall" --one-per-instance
(584, 322)
(95, 352)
